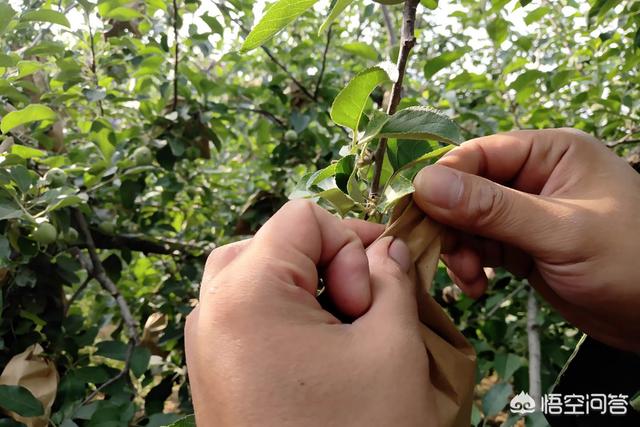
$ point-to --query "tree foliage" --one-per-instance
(136, 136)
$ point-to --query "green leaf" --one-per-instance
(443, 60)
(46, 47)
(189, 421)
(526, 79)
(336, 10)
(429, 4)
(398, 187)
(275, 19)
(26, 152)
(635, 401)
(46, 15)
(140, 360)
(496, 399)
(20, 400)
(361, 49)
(6, 15)
(123, 14)
(536, 14)
(342, 202)
(507, 364)
(213, 24)
(9, 210)
(600, 8)
(376, 121)
(8, 60)
(32, 113)
(348, 105)
(116, 350)
(26, 68)
(498, 29)
(422, 123)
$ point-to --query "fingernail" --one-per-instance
(440, 186)
(399, 252)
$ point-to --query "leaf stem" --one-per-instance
(407, 41)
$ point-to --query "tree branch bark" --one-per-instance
(407, 41)
(324, 63)
(145, 245)
(388, 22)
(176, 57)
(94, 267)
(265, 113)
(533, 336)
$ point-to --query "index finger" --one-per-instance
(522, 159)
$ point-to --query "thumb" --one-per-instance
(392, 292)
(482, 207)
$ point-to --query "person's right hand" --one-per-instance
(554, 206)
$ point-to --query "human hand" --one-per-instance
(554, 206)
(262, 351)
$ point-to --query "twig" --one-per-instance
(94, 68)
(388, 22)
(77, 293)
(622, 141)
(176, 59)
(324, 63)
(223, 8)
(295, 81)
(407, 41)
(533, 336)
(120, 374)
(95, 269)
(496, 307)
(98, 272)
(265, 113)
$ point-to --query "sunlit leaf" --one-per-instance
(31, 113)
(498, 29)
(46, 15)
(213, 24)
(6, 14)
(26, 152)
(336, 10)
(348, 105)
(278, 16)
(443, 60)
(536, 14)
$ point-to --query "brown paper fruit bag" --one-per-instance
(452, 359)
(32, 371)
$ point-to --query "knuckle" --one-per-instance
(486, 204)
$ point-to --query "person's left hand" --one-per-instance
(262, 351)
